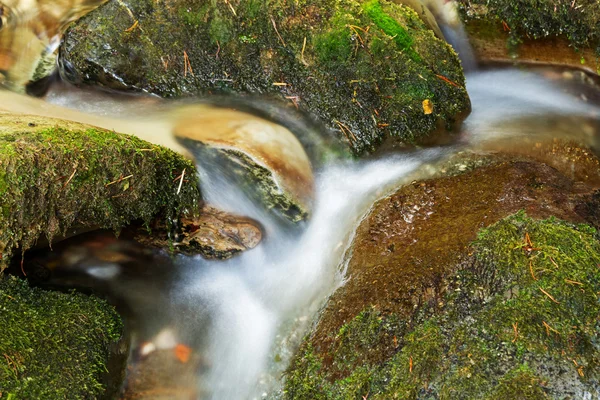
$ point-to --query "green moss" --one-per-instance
(363, 71)
(335, 46)
(519, 383)
(53, 345)
(577, 22)
(520, 320)
(391, 27)
(54, 179)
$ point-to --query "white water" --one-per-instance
(256, 296)
(247, 315)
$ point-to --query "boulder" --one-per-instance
(59, 177)
(477, 283)
(264, 158)
(57, 345)
(30, 32)
(365, 68)
(531, 31)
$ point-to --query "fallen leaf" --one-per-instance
(427, 106)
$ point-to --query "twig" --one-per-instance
(132, 27)
(442, 77)
(277, 32)
(549, 296)
(181, 181)
(516, 329)
(121, 179)
(231, 8)
(302, 53)
(531, 270)
(573, 282)
(187, 65)
(69, 180)
(549, 328)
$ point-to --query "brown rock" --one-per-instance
(412, 240)
(214, 234)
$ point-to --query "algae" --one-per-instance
(54, 345)
(364, 69)
(519, 320)
(55, 178)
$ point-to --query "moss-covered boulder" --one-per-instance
(538, 31)
(57, 177)
(435, 307)
(58, 346)
(371, 70)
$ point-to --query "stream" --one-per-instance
(245, 317)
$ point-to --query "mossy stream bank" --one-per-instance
(468, 285)
(58, 345)
(370, 70)
(57, 179)
(538, 31)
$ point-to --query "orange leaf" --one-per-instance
(183, 353)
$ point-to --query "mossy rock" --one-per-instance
(57, 345)
(538, 31)
(58, 177)
(516, 322)
(432, 302)
(365, 68)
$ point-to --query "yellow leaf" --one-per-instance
(427, 106)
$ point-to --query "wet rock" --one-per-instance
(30, 33)
(162, 375)
(540, 32)
(213, 234)
(56, 176)
(265, 159)
(364, 68)
(454, 288)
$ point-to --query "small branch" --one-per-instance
(121, 179)
(302, 53)
(69, 180)
(181, 181)
(549, 296)
(277, 32)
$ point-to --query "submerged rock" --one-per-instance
(58, 345)
(58, 176)
(364, 68)
(544, 32)
(449, 294)
(213, 234)
(265, 159)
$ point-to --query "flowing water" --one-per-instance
(247, 315)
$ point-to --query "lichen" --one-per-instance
(518, 320)
(364, 69)
(55, 178)
(54, 345)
